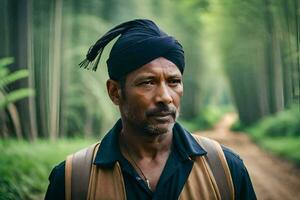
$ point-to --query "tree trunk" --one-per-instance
(22, 51)
(55, 65)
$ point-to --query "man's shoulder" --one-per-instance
(233, 159)
(236, 166)
(239, 174)
(58, 170)
(56, 188)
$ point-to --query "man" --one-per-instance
(147, 155)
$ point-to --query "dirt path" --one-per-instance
(272, 177)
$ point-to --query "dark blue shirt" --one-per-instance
(174, 174)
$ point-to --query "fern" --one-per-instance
(7, 97)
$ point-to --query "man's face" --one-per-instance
(151, 98)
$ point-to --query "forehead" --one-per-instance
(159, 66)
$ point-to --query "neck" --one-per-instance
(145, 146)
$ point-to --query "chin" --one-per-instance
(158, 129)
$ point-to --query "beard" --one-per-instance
(146, 123)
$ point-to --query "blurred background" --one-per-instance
(242, 79)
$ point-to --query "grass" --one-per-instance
(278, 134)
(25, 167)
(207, 118)
(284, 147)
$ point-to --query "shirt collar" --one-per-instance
(109, 151)
(185, 143)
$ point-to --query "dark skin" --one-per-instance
(149, 106)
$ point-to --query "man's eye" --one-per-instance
(147, 83)
(175, 81)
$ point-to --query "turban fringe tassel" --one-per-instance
(86, 63)
(97, 49)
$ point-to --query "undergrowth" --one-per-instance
(278, 134)
(25, 166)
(207, 118)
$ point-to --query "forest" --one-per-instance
(241, 57)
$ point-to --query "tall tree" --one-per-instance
(55, 72)
(20, 44)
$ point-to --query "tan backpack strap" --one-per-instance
(219, 167)
(107, 183)
(68, 174)
(77, 173)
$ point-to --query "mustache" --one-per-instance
(162, 109)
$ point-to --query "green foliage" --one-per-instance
(279, 134)
(286, 147)
(238, 126)
(282, 124)
(14, 96)
(12, 77)
(207, 118)
(25, 167)
(7, 97)
(256, 41)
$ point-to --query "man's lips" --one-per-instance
(162, 114)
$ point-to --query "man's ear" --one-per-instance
(114, 91)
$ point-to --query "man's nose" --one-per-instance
(163, 94)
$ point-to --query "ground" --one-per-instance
(272, 177)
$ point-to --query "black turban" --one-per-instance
(141, 41)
